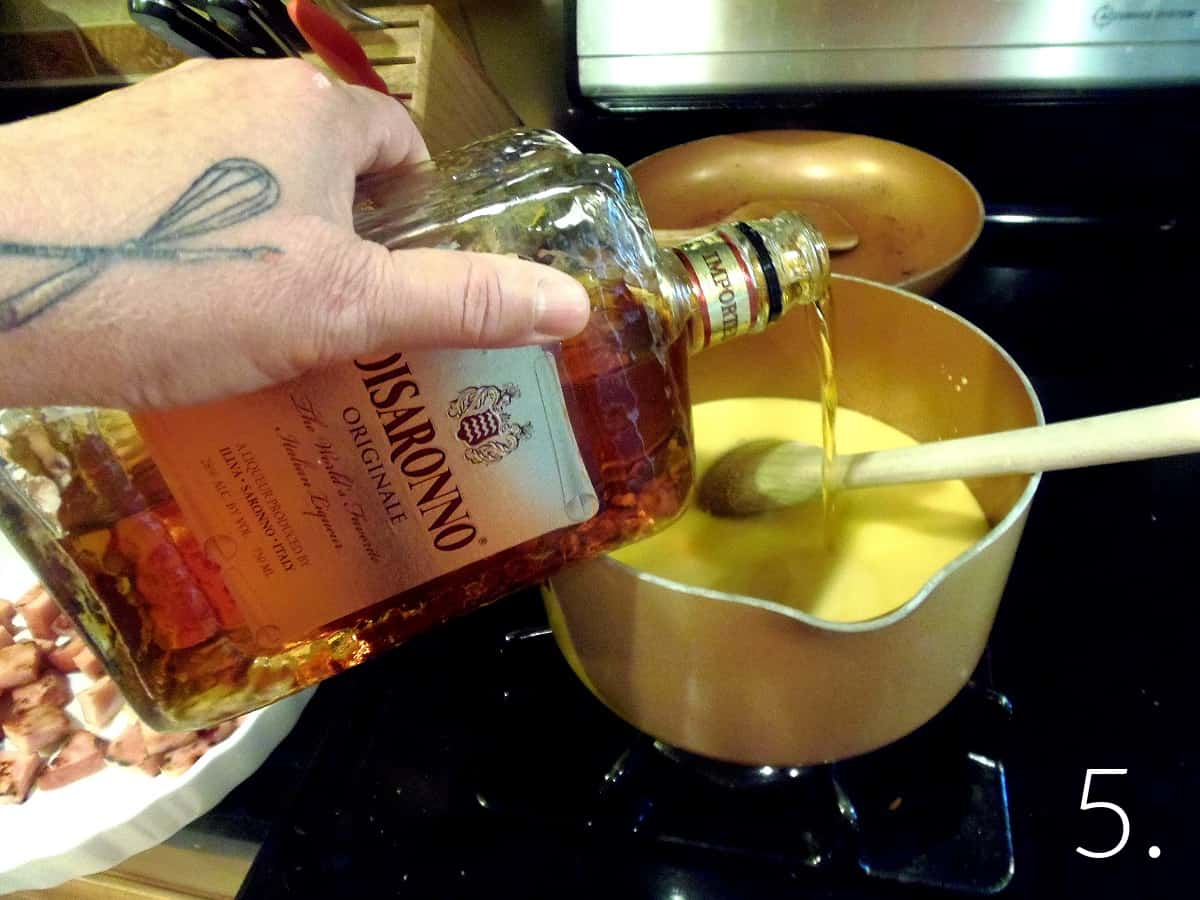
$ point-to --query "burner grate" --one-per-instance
(930, 810)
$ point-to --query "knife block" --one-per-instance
(427, 68)
(421, 59)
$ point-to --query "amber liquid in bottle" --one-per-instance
(177, 633)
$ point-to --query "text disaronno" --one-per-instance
(411, 452)
(370, 478)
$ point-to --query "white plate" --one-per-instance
(103, 819)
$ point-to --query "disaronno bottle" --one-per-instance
(219, 558)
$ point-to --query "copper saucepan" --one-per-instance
(915, 216)
(740, 679)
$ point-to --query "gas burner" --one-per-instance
(733, 776)
(929, 810)
(798, 817)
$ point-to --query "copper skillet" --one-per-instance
(915, 216)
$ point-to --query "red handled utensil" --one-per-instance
(335, 45)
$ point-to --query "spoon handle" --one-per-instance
(1168, 429)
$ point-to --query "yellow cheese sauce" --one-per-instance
(885, 542)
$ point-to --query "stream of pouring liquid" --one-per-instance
(829, 404)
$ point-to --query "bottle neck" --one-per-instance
(740, 277)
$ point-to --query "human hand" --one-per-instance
(98, 306)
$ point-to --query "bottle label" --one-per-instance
(722, 278)
(324, 496)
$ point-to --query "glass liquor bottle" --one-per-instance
(218, 558)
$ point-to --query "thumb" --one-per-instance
(451, 298)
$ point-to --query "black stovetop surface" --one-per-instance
(470, 762)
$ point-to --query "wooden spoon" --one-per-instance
(768, 474)
(839, 234)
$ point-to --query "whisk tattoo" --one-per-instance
(226, 194)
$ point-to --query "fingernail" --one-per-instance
(561, 308)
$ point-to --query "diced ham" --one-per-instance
(51, 689)
(162, 741)
(6, 639)
(7, 613)
(17, 771)
(101, 702)
(129, 749)
(62, 626)
(81, 755)
(62, 657)
(206, 572)
(179, 760)
(152, 765)
(36, 728)
(40, 613)
(179, 611)
(20, 664)
(89, 663)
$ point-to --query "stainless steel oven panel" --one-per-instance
(646, 49)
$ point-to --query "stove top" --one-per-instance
(471, 762)
(930, 810)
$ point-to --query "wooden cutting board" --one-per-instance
(176, 870)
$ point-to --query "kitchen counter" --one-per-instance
(195, 863)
